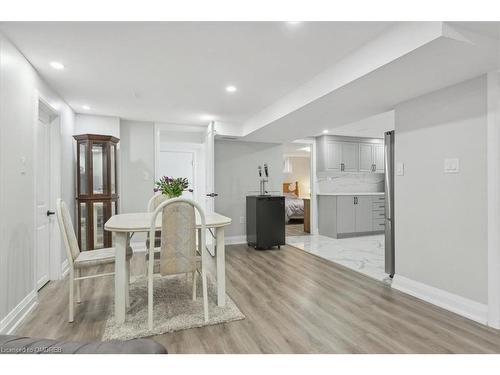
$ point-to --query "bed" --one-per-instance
(294, 206)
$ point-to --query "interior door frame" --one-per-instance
(313, 183)
(197, 148)
(55, 261)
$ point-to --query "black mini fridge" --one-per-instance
(265, 221)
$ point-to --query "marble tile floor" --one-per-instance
(363, 254)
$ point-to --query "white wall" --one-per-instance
(301, 172)
(236, 175)
(441, 219)
(19, 83)
(137, 161)
(93, 124)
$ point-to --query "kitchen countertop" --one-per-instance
(353, 193)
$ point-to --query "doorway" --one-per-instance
(47, 179)
(296, 187)
(350, 192)
(187, 151)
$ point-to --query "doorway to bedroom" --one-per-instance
(296, 188)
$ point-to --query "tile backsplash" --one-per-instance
(343, 182)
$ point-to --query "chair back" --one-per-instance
(155, 201)
(178, 235)
(67, 231)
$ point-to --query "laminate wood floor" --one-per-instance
(294, 302)
(295, 230)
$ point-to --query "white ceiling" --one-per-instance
(177, 71)
(370, 127)
(297, 149)
(443, 61)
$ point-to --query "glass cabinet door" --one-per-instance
(99, 168)
(99, 219)
(112, 169)
(82, 173)
(82, 212)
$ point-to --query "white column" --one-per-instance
(493, 158)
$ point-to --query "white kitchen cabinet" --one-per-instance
(349, 157)
(365, 157)
(371, 157)
(346, 214)
(341, 156)
(333, 158)
(363, 214)
(378, 158)
(343, 216)
(349, 154)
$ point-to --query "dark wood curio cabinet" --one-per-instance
(97, 189)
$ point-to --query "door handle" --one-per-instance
(212, 195)
(342, 167)
(50, 213)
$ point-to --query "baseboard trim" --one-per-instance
(9, 324)
(459, 305)
(235, 240)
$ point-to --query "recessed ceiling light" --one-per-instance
(306, 149)
(231, 88)
(325, 131)
(85, 107)
(294, 22)
(57, 65)
(207, 117)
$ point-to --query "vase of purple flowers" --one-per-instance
(172, 187)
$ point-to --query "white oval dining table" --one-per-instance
(124, 225)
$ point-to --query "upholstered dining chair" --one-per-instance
(178, 252)
(153, 203)
(80, 261)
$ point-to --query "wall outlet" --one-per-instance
(242, 220)
(451, 165)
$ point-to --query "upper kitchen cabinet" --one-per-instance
(378, 158)
(371, 157)
(341, 156)
(350, 154)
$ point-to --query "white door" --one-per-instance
(365, 157)
(44, 218)
(210, 193)
(178, 164)
(379, 158)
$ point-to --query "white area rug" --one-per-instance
(174, 309)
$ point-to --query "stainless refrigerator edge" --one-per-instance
(389, 202)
